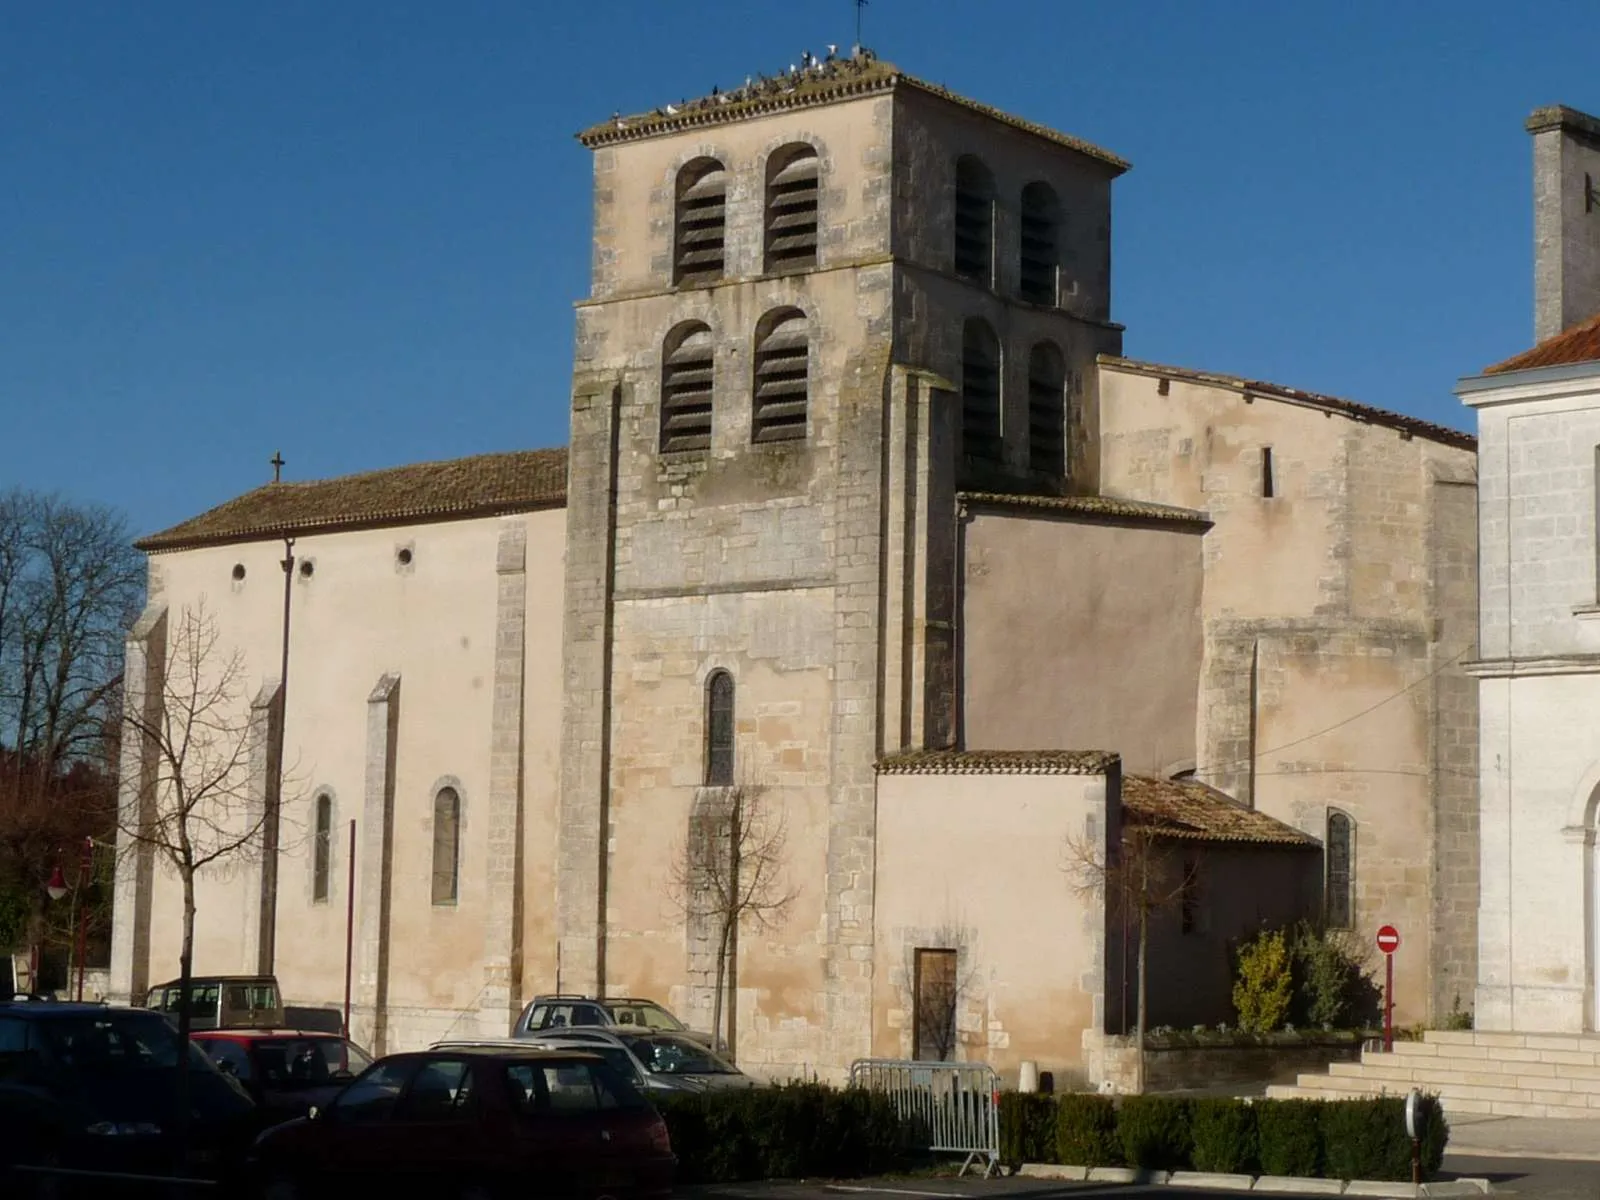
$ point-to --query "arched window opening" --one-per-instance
(974, 232)
(980, 391)
(321, 848)
(701, 224)
(719, 730)
(1040, 253)
(1339, 905)
(686, 376)
(782, 351)
(793, 190)
(446, 845)
(1047, 410)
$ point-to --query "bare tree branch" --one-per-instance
(730, 874)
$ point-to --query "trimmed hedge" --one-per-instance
(792, 1131)
(1338, 1139)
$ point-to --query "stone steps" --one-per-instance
(1514, 1075)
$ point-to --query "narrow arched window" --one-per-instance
(792, 194)
(780, 388)
(974, 232)
(1339, 904)
(321, 847)
(1047, 410)
(1040, 253)
(700, 226)
(686, 376)
(980, 391)
(719, 729)
(446, 845)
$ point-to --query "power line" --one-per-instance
(1260, 754)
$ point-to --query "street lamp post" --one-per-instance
(57, 888)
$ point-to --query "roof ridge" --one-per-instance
(1354, 409)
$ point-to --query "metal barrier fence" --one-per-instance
(948, 1108)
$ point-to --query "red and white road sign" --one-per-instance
(1388, 939)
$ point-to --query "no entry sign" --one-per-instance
(1388, 939)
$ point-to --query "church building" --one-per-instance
(864, 522)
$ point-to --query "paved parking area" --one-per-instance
(1542, 1178)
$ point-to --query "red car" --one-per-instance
(287, 1072)
(485, 1121)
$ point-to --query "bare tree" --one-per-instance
(70, 583)
(199, 816)
(730, 875)
(1137, 877)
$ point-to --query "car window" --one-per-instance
(114, 1041)
(373, 1097)
(588, 1014)
(570, 1088)
(231, 1054)
(304, 1062)
(665, 1054)
(341, 1055)
(646, 1016)
(441, 1091)
(13, 1036)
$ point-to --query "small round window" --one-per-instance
(307, 569)
(404, 556)
(238, 572)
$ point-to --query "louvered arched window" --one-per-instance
(719, 729)
(980, 391)
(700, 226)
(974, 232)
(686, 377)
(446, 845)
(791, 220)
(1040, 252)
(780, 377)
(1341, 876)
(1047, 410)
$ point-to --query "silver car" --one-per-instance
(658, 1063)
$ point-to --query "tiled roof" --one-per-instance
(822, 81)
(998, 762)
(1347, 408)
(480, 486)
(1099, 506)
(1188, 810)
(1579, 344)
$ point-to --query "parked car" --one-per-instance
(96, 1088)
(222, 1001)
(544, 1013)
(657, 1063)
(481, 1121)
(287, 1072)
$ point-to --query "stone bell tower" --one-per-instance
(821, 305)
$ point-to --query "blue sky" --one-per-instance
(354, 230)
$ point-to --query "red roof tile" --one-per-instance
(1579, 344)
(1188, 810)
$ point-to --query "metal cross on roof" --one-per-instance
(277, 463)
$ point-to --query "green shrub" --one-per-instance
(1223, 1134)
(1264, 985)
(1086, 1131)
(1027, 1128)
(788, 1132)
(1325, 979)
(1154, 1131)
(1288, 1137)
(1366, 1139)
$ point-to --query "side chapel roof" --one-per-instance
(1188, 810)
(482, 485)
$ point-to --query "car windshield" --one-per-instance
(306, 1062)
(114, 1041)
(644, 1015)
(667, 1055)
